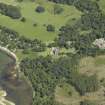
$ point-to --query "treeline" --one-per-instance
(24, 0)
(84, 83)
(45, 74)
(13, 41)
(69, 2)
(70, 37)
(93, 20)
(82, 5)
(9, 10)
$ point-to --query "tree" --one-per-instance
(58, 9)
(9, 10)
(40, 9)
(50, 28)
(23, 19)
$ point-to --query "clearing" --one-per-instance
(69, 15)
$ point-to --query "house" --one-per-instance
(55, 51)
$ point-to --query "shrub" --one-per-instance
(9, 10)
(50, 28)
(23, 19)
(35, 24)
(58, 9)
(40, 9)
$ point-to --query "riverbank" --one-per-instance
(9, 53)
(3, 100)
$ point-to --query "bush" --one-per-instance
(23, 19)
(58, 9)
(35, 24)
(50, 28)
(40, 9)
(9, 10)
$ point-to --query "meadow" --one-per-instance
(40, 19)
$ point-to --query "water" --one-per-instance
(19, 91)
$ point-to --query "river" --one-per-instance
(19, 90)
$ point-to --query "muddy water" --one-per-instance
(19, 91)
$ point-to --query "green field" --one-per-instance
(28, 11)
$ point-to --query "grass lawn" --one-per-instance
(41, 19)
(31, 54)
